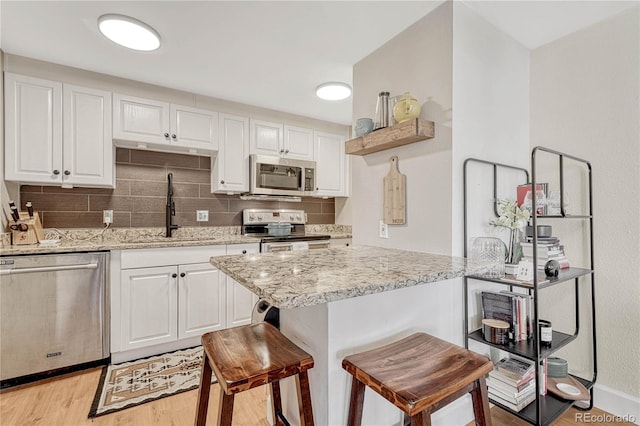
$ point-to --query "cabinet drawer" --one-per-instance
(142, 258)
(243, 248)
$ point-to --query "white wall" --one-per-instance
(490, 117)
(585, 94)
(8, 190)
(417, 60)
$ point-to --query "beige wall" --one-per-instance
(417, 60)
(585, 93)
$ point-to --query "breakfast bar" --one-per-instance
(338, 301)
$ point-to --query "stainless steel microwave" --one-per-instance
(281, 176)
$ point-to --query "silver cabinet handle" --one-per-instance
(222, 182)
(174, 136)
(67, 172)
(47, 269)
(56, 172)
(166, 135)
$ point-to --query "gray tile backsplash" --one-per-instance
(139, 197)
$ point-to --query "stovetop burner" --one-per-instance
(255, 221)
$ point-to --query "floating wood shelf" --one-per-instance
(397, 135)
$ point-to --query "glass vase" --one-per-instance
(487, 257)
(514, 249)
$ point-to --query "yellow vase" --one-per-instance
(406, 108)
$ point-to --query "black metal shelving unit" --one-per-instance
(546, 408)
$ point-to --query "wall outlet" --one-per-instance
(383, 230)
(107, 216)
(202, 215)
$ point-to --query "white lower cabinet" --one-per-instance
(149, 306)
(240, 301)
(165, 299)
(201, 300)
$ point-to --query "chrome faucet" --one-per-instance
(170, 210)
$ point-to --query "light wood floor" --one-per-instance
(65, 401)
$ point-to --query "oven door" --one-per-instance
(293, 245)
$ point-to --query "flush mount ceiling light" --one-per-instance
(333, 91)
(129, 32)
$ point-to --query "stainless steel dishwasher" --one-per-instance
(53, 312)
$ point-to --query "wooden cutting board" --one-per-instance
(394, 195)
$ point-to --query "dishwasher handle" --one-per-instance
(48, 269)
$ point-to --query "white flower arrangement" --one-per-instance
(511, 216)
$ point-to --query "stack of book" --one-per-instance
(548, 248)
(512, 383)
(513, 308)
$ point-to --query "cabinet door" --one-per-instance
(331, 165)
(33, 129)
(194, 128)
(140, 120)
(148, 306)
(87, 143)
(266, 138)
(240, 301)
(340, 242)
(201, 300)
(230, 168)
(298, 143)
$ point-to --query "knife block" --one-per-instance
(32, 235)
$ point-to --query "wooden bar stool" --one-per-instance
(419, 374)
(249, 356)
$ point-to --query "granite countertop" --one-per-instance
(77, 240)
(311, 277)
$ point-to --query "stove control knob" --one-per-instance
(298, 217)
(259, 217)
(251, 217)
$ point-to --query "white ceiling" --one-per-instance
(269, 54)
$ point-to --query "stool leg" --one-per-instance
(304, 399)
(423, 418)
(276, 403)
(356, 402)
(480, 399)
(225, 409)
(203, 392)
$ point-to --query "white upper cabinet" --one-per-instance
(332, 166)
(281, 140)
(298, 143)
(194, 128)
(141, 120)
(51, 142)
(161, 126)
(87, 148)
(230, 167)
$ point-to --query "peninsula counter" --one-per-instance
(338, 301)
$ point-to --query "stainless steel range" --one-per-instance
(277, 235)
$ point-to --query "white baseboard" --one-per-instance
(617, 403)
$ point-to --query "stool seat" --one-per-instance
(250, 356)
(418, 373)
